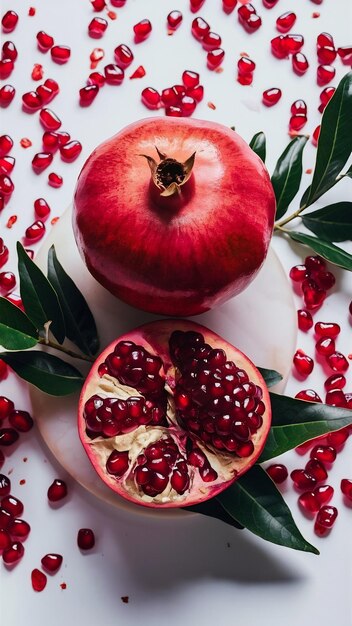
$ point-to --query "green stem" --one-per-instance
(57, 346)
(291, 217)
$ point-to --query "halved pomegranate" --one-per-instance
(174, 216)
(171, 414)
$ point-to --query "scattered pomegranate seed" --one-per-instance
(309, 395)
(49, 120)
(31, 11)
(63, 585)
(6, 144)
(228, 5)
(338, 362)
(21, 420)
(305, 320)
(6, 68)
(308, 502)
(336, 381)
(277, 472)
(299, 63)
(7, 164)
(14, 553)
(51, 562)
(199, 28)
(38, 579)
(138, 73)
(25, 143)
(173, 111)
(57, 490)
(278, 47)
(151, 98)
(297, 122)
(5, 485)
(317, 470)
(269, 4)
(55, 180)
(325, 519)
(248, 18)
(9, 51)
(298, 273)
(326, 54)
(346, 488)
(98, 5)
(338, 437)
(315, 136)
(5, 540)
(111, 15)
(97, 27)
(88, 94)
(37, 72)
(31, 101)
(70, 151)
(6, 185)
(325, 39)
(345, 54)
(326, 454)
(123, 56)
(215, 58)
(19, 528)
(211, 41)
(95, 56)
(11, 221)
(44, 41)
(271, 96)
(327, 329)
(9, 21)
(41, 161)
(7, 282)
(12, 505)
(302, 479)
(304, 364)
(195, 5)
(114, 74)
(4, 255)
(325, 346)
(174, 20)
(142, 30)
(60, 54)
(325, 74)
(97, 79)
(85, 539)
(7, 94)
(285, 21)
(336, 397)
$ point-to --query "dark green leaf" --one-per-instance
(296, 421)
(213, 508)
(287, 175)
(349, 172)
(332, 223)
(16, 330)
(45, 371)
(39, 298)
(256, 503)
(258, 145)
(335, 141)
(326, 249)
(79, 321)
(271, 377)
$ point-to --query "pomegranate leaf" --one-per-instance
(213, 508)
(16, 330)
(255, 502)
(332, 223)
(39, 297)
(258, 145)
(45, 371)
(79, 321)
(296, 421)
(287, 175)
(335, 142)
(271, 377)
(326, 249)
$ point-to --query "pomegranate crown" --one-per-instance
(169, 174)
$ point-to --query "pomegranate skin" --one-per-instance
(188, 252)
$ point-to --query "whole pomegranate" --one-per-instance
(171, 414)
(174, 216)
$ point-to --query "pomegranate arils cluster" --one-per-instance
(178, 100)
(13, 529)
(248, 18)
(210, 41)
(315, 280)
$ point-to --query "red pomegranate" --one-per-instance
(174, 216)
(171, 414)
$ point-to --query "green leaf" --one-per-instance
(326, 249)
(45, 371)
(213, 508)
(258, 145)
(287, 175)
(255, 502)
(335, 141)
(296, 421)
(349, 172)
(39, 297)
(79, 321)
(332, 223)
(271, 377)
(16, 330)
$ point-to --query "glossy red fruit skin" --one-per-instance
(186, 290)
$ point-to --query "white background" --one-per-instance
(184, 571)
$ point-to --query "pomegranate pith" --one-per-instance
(171, 414)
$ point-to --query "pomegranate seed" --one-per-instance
(174, 19)
(88, 94)
(21, 421)
(123, 56)
(9, 21)
(151, 98)
(60, 54)
(325, 39)
(326, 516)
(312, 295)
(269, 4)
(138, 73)
(49, 120)
(325, 97)
(271, 96)
(51, 84)
(12, 505)
(338, 437)
(7, 282)
(277, 472)
(85, 539)
(327, 329)
(326, 454)
(336, 397)
(299, 107)
(326, 54)
(228, 5)
(299, 63)
(317, 470)
(4, 255)
(245, 65)
(278, 47)
(338, 362)
(188, 105)
(173, 111)
(309, 502)
(6, 144)
(5, 539)
(293, 43)
(95, 78)
(114, 74)
(325, 73)
(41, 161)
(309, 395)
(6, 68)
(97, 27)
(50, 141)
(19, 529)
(195, 5)
(215, 58)
(5, 518)
(55, 180)
(38, 579)
(199, 28)
(336, 381)
(7, 94)
(142, 30)
(345, 54)
(14, 553)
(305, 320)
(51, 562)
(9, 51)
(41, 208)
(211, 41)
(245, 78)
(117, 463)
(346, 488)
(323, 494)
(98, 5)
(297, 122)
(32, 101)
(70, 151)
(304, 364)
(190, 79)
(57, 490)
(6, 185)
(315, 136)
(6, 166)
(325, 346)
(302, 479)
(45, 41)
(298, 273)
(5, 485)
(37, 72)
(285, 21)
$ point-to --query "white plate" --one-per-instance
(261, 322)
